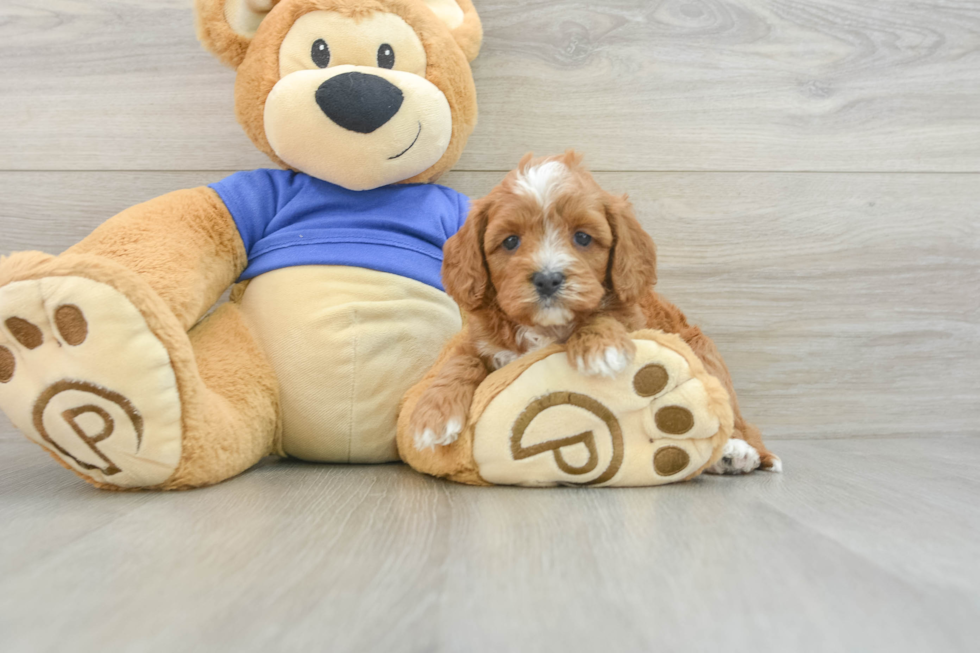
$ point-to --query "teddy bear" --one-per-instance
(109, 357)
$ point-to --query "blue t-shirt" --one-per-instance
(289, 218)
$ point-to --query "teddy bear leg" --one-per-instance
(745, 452)
(96, 369)
(236, 403)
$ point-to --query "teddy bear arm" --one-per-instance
(184, 244)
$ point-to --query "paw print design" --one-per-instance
(660, 421)
(82, 375)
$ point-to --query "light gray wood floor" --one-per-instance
(810, 170)
(862, 545)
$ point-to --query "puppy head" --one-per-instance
(549, 247)
(360, 93)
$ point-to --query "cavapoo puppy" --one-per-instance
(549, 256)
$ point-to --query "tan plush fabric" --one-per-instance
(232, 415)
(228, 401)
(469, 33)
(226, 27)
(410, 142)
(352, 42)
(196, 250)
(536, 422)
(226, 34)
(79, 400)
(448, 11)
(346, 344)
(420, 131)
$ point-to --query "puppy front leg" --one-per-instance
(601, 347)
(443, 408)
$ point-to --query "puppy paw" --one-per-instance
(436, 424)
(599, 358)
(439, 436)
(739, 457)
(773, 464)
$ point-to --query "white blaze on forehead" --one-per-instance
(553, 254)
(542, 182)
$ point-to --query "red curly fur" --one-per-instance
(608, 290)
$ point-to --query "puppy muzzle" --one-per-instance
(548, 284)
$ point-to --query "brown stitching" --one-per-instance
(69, 416)
(108, 426)
(26, 333)
(675, 420)
(7, 364)
(670, 460)
(588, 438)
(651, 380)
(71, 324)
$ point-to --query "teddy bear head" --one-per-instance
(359, 93)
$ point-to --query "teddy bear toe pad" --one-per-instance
(82, 375)
(657, 422)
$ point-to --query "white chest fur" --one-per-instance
(528, 340)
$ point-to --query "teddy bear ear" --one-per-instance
(463, 21)
(226, 27)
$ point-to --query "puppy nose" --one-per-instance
(548, 283)
(359, 102)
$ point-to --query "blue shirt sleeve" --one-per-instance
(254, 198)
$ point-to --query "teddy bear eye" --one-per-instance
(386, 56)
(583, 239)
(511, 243)
(321, 53)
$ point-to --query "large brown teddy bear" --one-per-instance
(105, 360)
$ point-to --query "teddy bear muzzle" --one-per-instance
(356, 126)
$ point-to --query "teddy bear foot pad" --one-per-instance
(82, 375)
(662, 420)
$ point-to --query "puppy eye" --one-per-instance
(386, 56)
(583, 239)
(511, 243)
(321, 53)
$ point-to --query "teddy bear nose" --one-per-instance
(359, 102)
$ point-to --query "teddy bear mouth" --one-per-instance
(405, 151)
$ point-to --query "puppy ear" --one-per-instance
(462, 20)
(226, 27)
(573, 158)
(525, 161)
(464, 267)
(633, 260)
